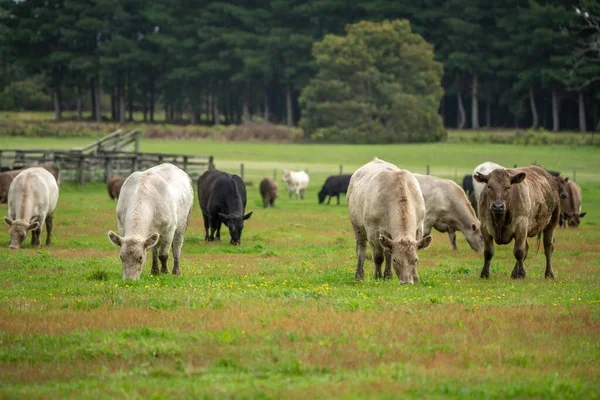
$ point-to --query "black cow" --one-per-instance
(222, 198)
(334, 186)
(467, 184)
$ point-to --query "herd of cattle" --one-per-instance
(391, 209)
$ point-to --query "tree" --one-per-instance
(378, 83)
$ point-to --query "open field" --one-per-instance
(281, 317)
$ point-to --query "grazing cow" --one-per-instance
(516, 204)
(222, 198)
(114, 186)
(571, 206)
(7, 176)
(296, 181)
(32, 198)
(334, 186)
(448, 210)
(484, 169)
(387, 210)
(467, 184)
(152, 212)
(268, 192)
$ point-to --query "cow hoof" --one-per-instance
(550, 275)
(484, 276)
(154, 272)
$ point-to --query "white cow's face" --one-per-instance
(18, 231)
(133, 252)
(404, 256)
(287, 176)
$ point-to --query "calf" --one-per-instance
(114, 186)
(32, 199)
(448, 210)
(387, 210)
(222, 198)
(296, 181)
(571, 206)
(516, 204)
(334, 186)
(152, 213)
(268, 192)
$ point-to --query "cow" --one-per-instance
(268, 192)
(334, 186)
(222, 198)
(467, 184)
(387, 210)
(484, 169)
(296, 181)
(518, 203)
(448, 210)
(32, 199)
(152, 213)
(571, 206)
(114, 186)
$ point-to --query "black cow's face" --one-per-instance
(499, 184)
(322, 196)
(235, 223)
(562, 186)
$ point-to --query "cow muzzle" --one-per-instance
(564, 195)
(13, 247)
(498, 208)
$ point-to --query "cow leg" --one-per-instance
(488, 254)
(452, 236)
(378, 258)
(338, 199)
(154, 270)
(35, 235)
(520, 253)
(218, 237)
(206, 226)
(549, 246)
(302, 194)
(49, 220)
(163, 255)
(290, 192)
(213, 227)
(387, 273)
(177, 245)
(361, 251)
(328, 199)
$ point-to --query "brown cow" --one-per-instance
(518, 203)
(6, 179)
(571, 206)
(114, 186)
(268, 192)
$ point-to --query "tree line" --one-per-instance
(505, 63)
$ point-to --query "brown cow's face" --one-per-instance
(133, 252)
(574, 220)
(562, 186)
(499, 185)
(404, 256)
(18, 232)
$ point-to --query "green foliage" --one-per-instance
(377, 84)
(25, 95)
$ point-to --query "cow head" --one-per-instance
(235, 223)
(575, 219)
(133, 252)
(499, 185)
(404, 255)
(18, 231)
(322, 196)
(287, 176)
(562, 186)
(474, 236)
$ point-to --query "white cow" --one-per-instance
(484, 169)
(387, 210)
(296, 181)
(152, 212)
(449, 210)
(32, 198)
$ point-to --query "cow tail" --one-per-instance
(539, 236)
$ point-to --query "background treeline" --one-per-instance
(506, 62)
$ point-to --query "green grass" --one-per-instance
(281, 316)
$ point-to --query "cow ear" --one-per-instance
(224, 218)
(247, 216)
(582, 214)
(8, 221)
(424, 243)
(385, 241)
(518, 178)
(481, 178)
(113, 237)
(34, 226)
(566, 179)
(151, 241)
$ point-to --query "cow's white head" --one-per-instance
(18, 231)
(404, 255)
(133, 252)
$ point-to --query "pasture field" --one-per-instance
(281, 316)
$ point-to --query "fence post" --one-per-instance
(107, 169)
(574, 175)
(427, 169)
(211, 162)
(185, 163)
(134, 163)
(242, 170)
(136, 146)
(80, 175)
(341, 169)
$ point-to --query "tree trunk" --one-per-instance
(266, 115)
(245, 111)
(555, 110)
(581, 104)
(461, 118)
(79, 101)
(56, 102)
(145, 106)
(121, 100)
(474, 102)
(113, 106)
(151, 98)
(97, 103)
(534, 114)
(488, 113)
(93, 98)
(215, 110)
(288, 106)
(130, 97)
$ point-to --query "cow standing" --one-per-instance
(516, 204)
(32, 199)
(152, 212)
(114, 186)
(449, 210)
(296, 181)
(334, 186)
(268, 192)
(222, 198)
(571, 206)
(387, 210)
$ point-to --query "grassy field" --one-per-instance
(281, 316)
